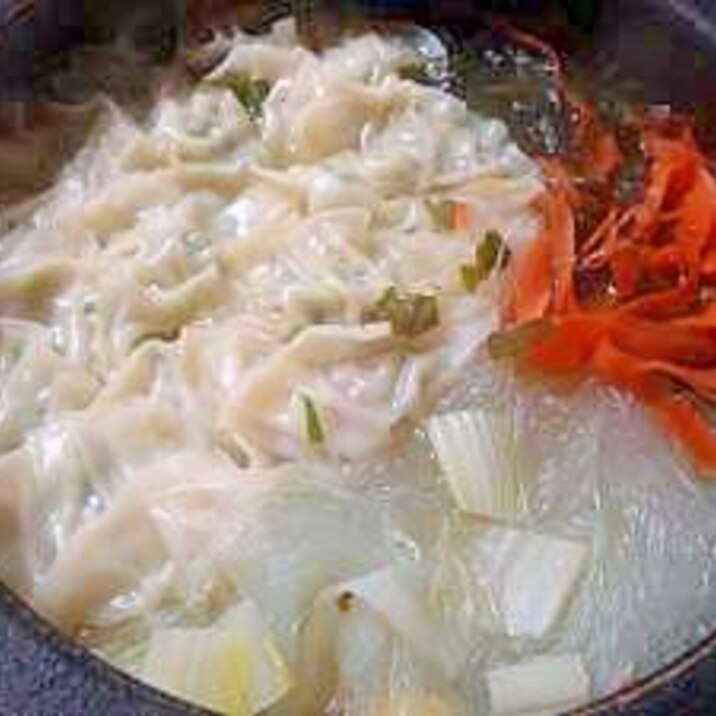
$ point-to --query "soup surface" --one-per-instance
(266, 441)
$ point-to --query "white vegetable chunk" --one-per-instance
(542, 686)
(409, 615)
(233, 667)
(530, 577)
(478, 454)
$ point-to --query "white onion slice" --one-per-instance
(232, 667)
(541, 686)
(530, 577)
(478, 455)
(403, 606)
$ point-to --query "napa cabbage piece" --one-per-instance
(530, 577)
(404, 607)
(540, 686)
(379, 676)
(233, 667)
(479, 454)
(365, 649)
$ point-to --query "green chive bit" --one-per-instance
(315, 432)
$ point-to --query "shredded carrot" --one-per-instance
(708, 267)
(665, 340)
(461, 216)
(605, 156)
(688, 424)
(530, 279)
(542, 274)
(569, 347)
(652, 328)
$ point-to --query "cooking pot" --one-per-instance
(665, 50)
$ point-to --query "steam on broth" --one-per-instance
(284, 424)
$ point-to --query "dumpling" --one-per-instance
(28, 289)
(210, 124)
(113, 552)
(41, 381)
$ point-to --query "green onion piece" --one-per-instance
(314, 427)
(441, 213)
(469, 277)
(410, 314)
(480, 459)
(416, 72)
(250, 93)
(424, 314)
(514, 342)
(388, 307)
(489, 252)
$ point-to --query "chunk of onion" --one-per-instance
(408, 613)
(541, 686)
(477, 452)
(232, 667)
(530, 577)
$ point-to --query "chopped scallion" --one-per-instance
(315, 432)
(514, 342)
(531, 577)
(479, 457)
(469, 277)
(409, 314)
(250, 93)
(441, 213)
(416, 72)
(490, 252)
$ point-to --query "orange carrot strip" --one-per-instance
(702, 382)
(627, 271)
(461, 216)
(671, 168)
(664, 304)
(605, 156)
(559, 228)
(568, 347)
(697, 217)
(708, 266)
(666, 261)
(686, 423)
(598, 237)
(542, 274)
(689, 345)
(653, 331)
(530, 282)
(703, 316)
